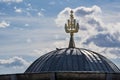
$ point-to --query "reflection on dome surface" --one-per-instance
(72, 59)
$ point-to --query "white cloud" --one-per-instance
(89, 20)
(30, 8)
(39, 14)
(92, 27)
(84, 11)
(4, 24)
(40, 52)
(14, 62)
(94, 33)
(113, 53)
(26, 25)
(16, 1)
(18, 10)
(62, 16)
(87, 17)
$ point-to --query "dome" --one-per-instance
(72, 59)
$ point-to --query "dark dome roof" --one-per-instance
(72, 59)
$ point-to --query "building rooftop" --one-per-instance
(72, 59)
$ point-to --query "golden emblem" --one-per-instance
(71, 27)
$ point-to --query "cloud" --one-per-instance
(26, 25)
(39, 14)
(4, 24)
(87, 17)
(18, 10)
(40, 52)
(83, 11)
(30, 7)
(112, 53)
(15, 1)
(62, 16)
(89, 20)
(14, 62)
(94, 33)
(104, 40)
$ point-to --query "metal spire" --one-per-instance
(71, 27)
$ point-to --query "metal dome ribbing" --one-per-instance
(72, 59)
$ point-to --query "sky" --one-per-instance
(31, 28)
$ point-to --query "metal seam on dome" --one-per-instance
(107, 63)
(85, 61)
(88, 60)
(72, 59)
(80, 59)
(55, 61)
(102, 64)
(35, 63)
(39, 61)
(97, 67)
(64, 65)
(69, 61)
(50, 61)
(93, 61)
(105, 66)
(75, 57)
(64, 57)
(42, 62)
(98, 61)
(71, 52)
(59, 61)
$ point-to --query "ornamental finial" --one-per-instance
(71, 27)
